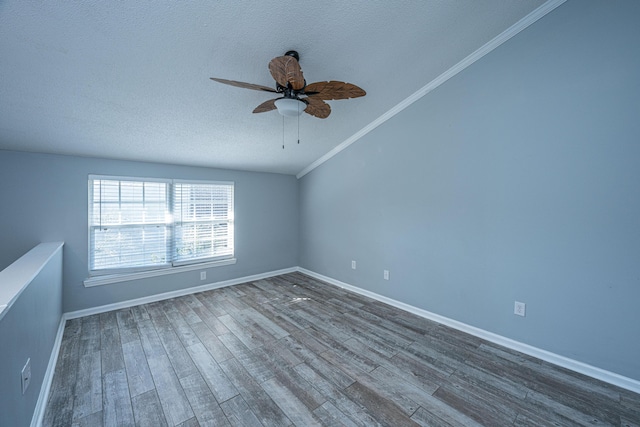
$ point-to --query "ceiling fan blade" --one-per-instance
(333, 90)
(244, 85)
(266, 106)
(286, 70)
(317, 108)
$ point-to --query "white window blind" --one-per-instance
(203, 221)
(141, 224)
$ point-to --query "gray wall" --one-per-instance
(518, 179)
(44, 198)
(28, 330)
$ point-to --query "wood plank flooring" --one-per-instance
(291, 350)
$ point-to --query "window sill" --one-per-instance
(117, 278)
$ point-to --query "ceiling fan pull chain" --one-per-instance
(298, 125)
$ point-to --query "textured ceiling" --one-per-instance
(130, 79)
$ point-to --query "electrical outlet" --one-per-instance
(353, 265)
(385, 274)
(519, 308)
(203, 275)
(26, 375)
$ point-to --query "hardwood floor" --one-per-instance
(291, 350)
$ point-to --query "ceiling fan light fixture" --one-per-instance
(290, 107)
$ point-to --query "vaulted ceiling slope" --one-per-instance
(130, 80)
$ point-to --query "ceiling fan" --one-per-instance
(297, 95)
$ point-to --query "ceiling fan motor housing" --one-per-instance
(294, 54)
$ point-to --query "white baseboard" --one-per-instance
(43, 397)
(565, 362)
(174, 294)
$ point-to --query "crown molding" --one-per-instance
(482, 51)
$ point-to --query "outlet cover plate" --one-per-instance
(203, 275)
(519, 308)
(385, 274)
(26, 375)
(353, 265)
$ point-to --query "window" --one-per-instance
(203, 221)
(139, 224)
